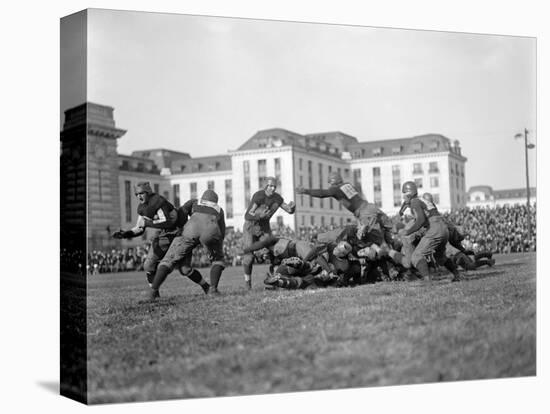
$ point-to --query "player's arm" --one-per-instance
(318, 192)
(135, 231)
(261, 244)
(420, 217)
(290, 208)
(221, 222)
(404, 206)
(250, 213)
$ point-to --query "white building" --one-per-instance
(485, 196)
(378, 168)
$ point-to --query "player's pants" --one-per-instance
(252, 232)
(200, 229)
(373, 220)
(434, 242)
(159, 246)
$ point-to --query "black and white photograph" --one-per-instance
(278, 207)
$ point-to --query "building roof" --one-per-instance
(164, 158)
(137, 164)
(405, 146)
(202, 164)
(514, 193)
(502, 194)
(330, 143)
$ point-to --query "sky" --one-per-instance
(204, 85)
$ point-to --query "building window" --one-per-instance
(457, 183)
(341, 221)
(300, 164)
(434, 167)
(377, 186)
(436, 198)
(262, 172)
(312, 220)
(434, 146)
(156, 188)
(332, 221)
(357, 179)
(193, 190)
(176, 188)
(322, 221)
(128, 200)
(396, 179)
(303, 220)
(434, 182)
(278, 173)
(417, 168)
(377, 152)
(418, 182)
(210, 185)
(228, 199)
(166, 195)
(280, 221)
(397, 150)
(246, 170)
(417, 147)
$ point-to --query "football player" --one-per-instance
(433, 242)
(206, 226)
(154, 211)
(368, 215)
(262, 207)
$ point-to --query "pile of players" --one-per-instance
(370, 250)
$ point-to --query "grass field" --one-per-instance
(191, 345)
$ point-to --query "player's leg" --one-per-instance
(186, 269)
(159, 247)
(250, 232)
(440, 240)
(213, 242)
(181, 247)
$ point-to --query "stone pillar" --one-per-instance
(95, 124)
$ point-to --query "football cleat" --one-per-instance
(214, 292)
(151, 295)
(206, 288)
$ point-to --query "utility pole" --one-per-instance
(528, 146)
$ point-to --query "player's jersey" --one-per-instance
(159, 210)
(185, 211)
(345, 193)
(430, 208)
(153, 205)
(206, 219)
(260, 199)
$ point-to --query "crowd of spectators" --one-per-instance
(500, 230)
(117, 260)
(503, 229)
